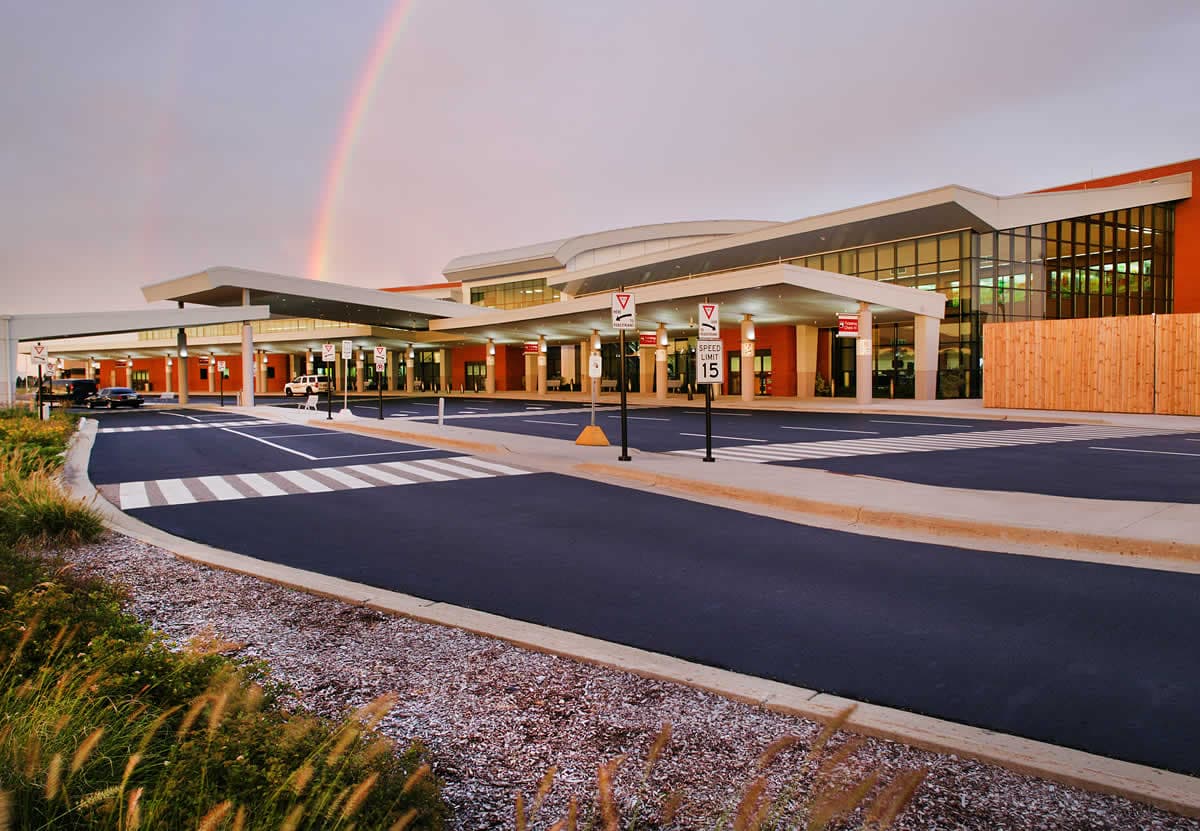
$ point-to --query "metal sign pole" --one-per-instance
(221, 386)
(345, 383)
(379, 383)
(39, 393)
(593, 382)
(329, 396)
(624, 457)
(708, 456)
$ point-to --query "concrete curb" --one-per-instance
(908, 521)
(1171, 791)
(418, 438)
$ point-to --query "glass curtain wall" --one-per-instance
(515, 295)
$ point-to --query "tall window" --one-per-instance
(514, 295)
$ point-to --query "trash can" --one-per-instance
(46, 412)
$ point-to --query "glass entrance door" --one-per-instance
(733, 381)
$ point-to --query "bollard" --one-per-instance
(441, 410)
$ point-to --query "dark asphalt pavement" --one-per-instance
(1095, 657)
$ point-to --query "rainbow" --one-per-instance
(318, 255)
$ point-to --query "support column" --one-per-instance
(8, 363)
(646, 366)
(212, 373)
(292, 373)
(338, 381)
(863, 358)
(660, 364)
(925, 364)
(530, 372)
(260, 364)
(489, 380)
(308, 363)
(247, 357)
(182, 362)
(445, 373)
(747, 371)
(129, 371)
(389, 383)
(169, 364)
(806, 361)
(541, 365)
(360, 377)
(410, 383)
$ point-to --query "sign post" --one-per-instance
(710, 365)
(592, 435)
(328, 356)
(221, 381)
(38, 356)
(380, 368)
(624, 318)
(347, 351)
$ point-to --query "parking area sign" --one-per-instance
(710, 362)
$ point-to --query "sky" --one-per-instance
(370, 142)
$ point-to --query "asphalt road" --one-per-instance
(1089, 656)
(1093, 462)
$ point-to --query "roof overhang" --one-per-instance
(89, 324)
(772, 294)
(943, 210)
(288, 296)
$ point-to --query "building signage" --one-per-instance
(347, 349)
(847, 326)
(710, 362)
(710, 321)
(328, 352)
(595, 365)
(650, 339)
(221, 367)
(624, 311)
(863, 347)
(38, 353)
(531, 348)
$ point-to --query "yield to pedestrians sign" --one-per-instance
(710, 322)
(38, 353)
(624, 312)
(380, 357)
(328, 352)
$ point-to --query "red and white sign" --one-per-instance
(847, 326)
(328, 353)
(710, 322)
(38, 354)
(648, 339)
(624, 311)
(221, 367)
(531, 347)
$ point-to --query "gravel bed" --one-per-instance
(495, 716)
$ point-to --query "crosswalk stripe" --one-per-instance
(381, 475)
(261, 485)
(344, 478)
(492, 466)
(145, 427)
(925, 443)
(429, 475)
(133, 495)
(306, 482)
(175, 492)
(465, 471)
(220, 488)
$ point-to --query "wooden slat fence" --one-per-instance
(1141, 364)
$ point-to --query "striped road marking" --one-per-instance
(801, 451)
(197, 426)
(132, 495)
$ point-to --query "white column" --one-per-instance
(926, 336)
(660, 364)
(292, 373)
(864, 364)
(444, 370)
(490, 364)
(747, 358)
(541, 365)
(182, 360)
(261, 365)
(212, 373)
(247, 357)
(360, 378)
(390, 381)
(170, 367)
(8, 363)
(530, 371)
(308, 363)
(410, 383)
(646, 365)
(806, 361)
(129, 371)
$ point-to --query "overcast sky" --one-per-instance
(146, 140)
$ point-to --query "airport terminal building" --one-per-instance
(924, 273)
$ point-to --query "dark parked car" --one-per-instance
(115, 397)
(69, 391)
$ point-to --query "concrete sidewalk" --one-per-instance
(1101, 530)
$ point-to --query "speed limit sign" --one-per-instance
(710, 362)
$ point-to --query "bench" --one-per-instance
(554, 384)
(607, 384)
(674, 384)
(310, 403)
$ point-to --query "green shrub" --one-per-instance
(37, 444)
(34, 509)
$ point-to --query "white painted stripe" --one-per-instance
(1155, 452)
(443, 464)
(407, 467)
(133, 495)
(492, 466)
(261, 485)
(379, 475)
(922, 423)
(220, 488)
(641, 418)
(831, 430)
(345, 478)
(729, 438)
(307, 482)
(271, 444)
(175, 492)
(545, 421)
